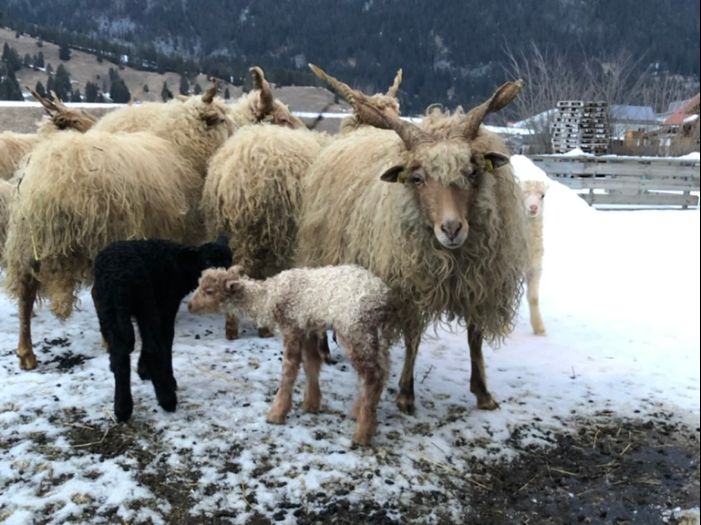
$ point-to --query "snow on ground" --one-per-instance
(620, 300)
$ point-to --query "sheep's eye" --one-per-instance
(542, 196)
(416, 178)
(470, 174)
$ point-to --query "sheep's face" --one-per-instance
(210, 293)
(445, 178)
(215, 255)
(533, 197)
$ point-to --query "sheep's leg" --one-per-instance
(405, 398)
(231, 327)
(28, 292)
(311, 359)
(290, 367)
(167, 336)
(120, 345)
(93, 293)
(478, 378)
(155, 360)
(373, 375)
(264, 331)
(324, 350)
(533, 282)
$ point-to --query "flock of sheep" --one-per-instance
(389, 225)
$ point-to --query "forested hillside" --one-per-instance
(452, 52)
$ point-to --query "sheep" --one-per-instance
(15, 146)
(533, 195)
(79, 192)
(252, 191)
(302, 303)
(6, 193)
(147, 280)
(259, 105)
(433, 209)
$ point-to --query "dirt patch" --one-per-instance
(605, 471)
(65, 360)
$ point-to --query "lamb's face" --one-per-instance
(210, 292)
(533, 196)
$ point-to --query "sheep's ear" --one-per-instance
(222, 240)
(392, 174)
(495, 160)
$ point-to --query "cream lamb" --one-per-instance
(302, 303)
(533, 195)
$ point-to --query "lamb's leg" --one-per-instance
(27, 295)
(533, 282)
(167, 336)
(373, 375)
(155, 358)
(290, 367)
(120, 343)
(405, 398)
(93, 293)
(311, 360)
(478, 378)
(231, 327)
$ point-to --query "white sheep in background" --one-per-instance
(302, 303)
(533, 196)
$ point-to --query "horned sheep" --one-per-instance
(15, 146)
(303, 303)
(253, 191)
(533, 197)
(433, 209)
(79, 192)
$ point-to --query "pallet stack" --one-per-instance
(580, 124)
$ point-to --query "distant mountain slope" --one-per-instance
(451, 51)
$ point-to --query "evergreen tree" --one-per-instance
(9, 87)
(39, 60)
(91, 92)
(145, 89)
(39, 88)
(184, 88)
(197, 90)
(62, 83)
(166, 94)
(75, 96)
(27, 62)
(227, 95)
(119, 92)
(11, 58)
(49, 69)
(64, 52)
(50, 87)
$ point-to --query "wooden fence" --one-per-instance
(614, 180)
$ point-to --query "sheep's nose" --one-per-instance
(451, 229)
(533, 208)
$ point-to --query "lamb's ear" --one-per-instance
(496, 160)
(392, 174)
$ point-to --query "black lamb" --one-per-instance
(147, 280)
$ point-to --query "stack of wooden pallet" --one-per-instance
(580, 124)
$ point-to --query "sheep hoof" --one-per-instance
(275, 419)
(264, 331)
(231, 334)
(539, 331)
(361, 439)
(122, 414)
(314, 408)
(144, 374)
(405, 404)
(28, 362)
(487, 403)
(168, 402)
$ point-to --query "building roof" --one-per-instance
(688, 107)
(633, 113)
